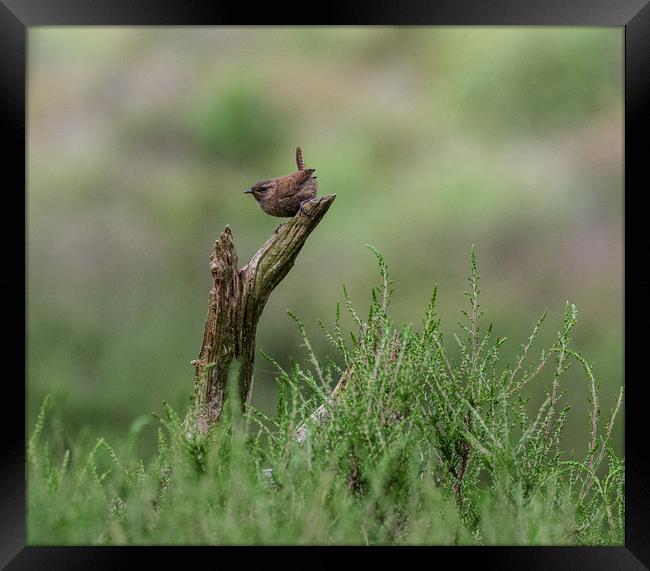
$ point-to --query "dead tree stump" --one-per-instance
(237, 299)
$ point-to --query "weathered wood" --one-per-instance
(236, 302)
(322, 414)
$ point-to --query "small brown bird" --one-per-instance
(284, 196)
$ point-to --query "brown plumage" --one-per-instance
(284, 196)
(299, 162)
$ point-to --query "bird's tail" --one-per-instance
(299, 161)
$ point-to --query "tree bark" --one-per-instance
(237, 299)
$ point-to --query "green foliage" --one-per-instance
(416, 447)
(516, 87)
(239, 124)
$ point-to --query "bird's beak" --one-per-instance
(248, 191)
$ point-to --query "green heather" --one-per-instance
(433, 441)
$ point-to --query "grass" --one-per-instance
(431, 441)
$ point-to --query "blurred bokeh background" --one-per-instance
(142, 140)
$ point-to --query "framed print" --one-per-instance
(374, 281)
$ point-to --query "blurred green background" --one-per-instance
(142, 140)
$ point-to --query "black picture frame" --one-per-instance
(18, 15)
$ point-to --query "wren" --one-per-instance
(285, 196)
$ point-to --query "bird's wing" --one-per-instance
(289, 183)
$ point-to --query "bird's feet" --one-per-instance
(278, 228)
(302, 208)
